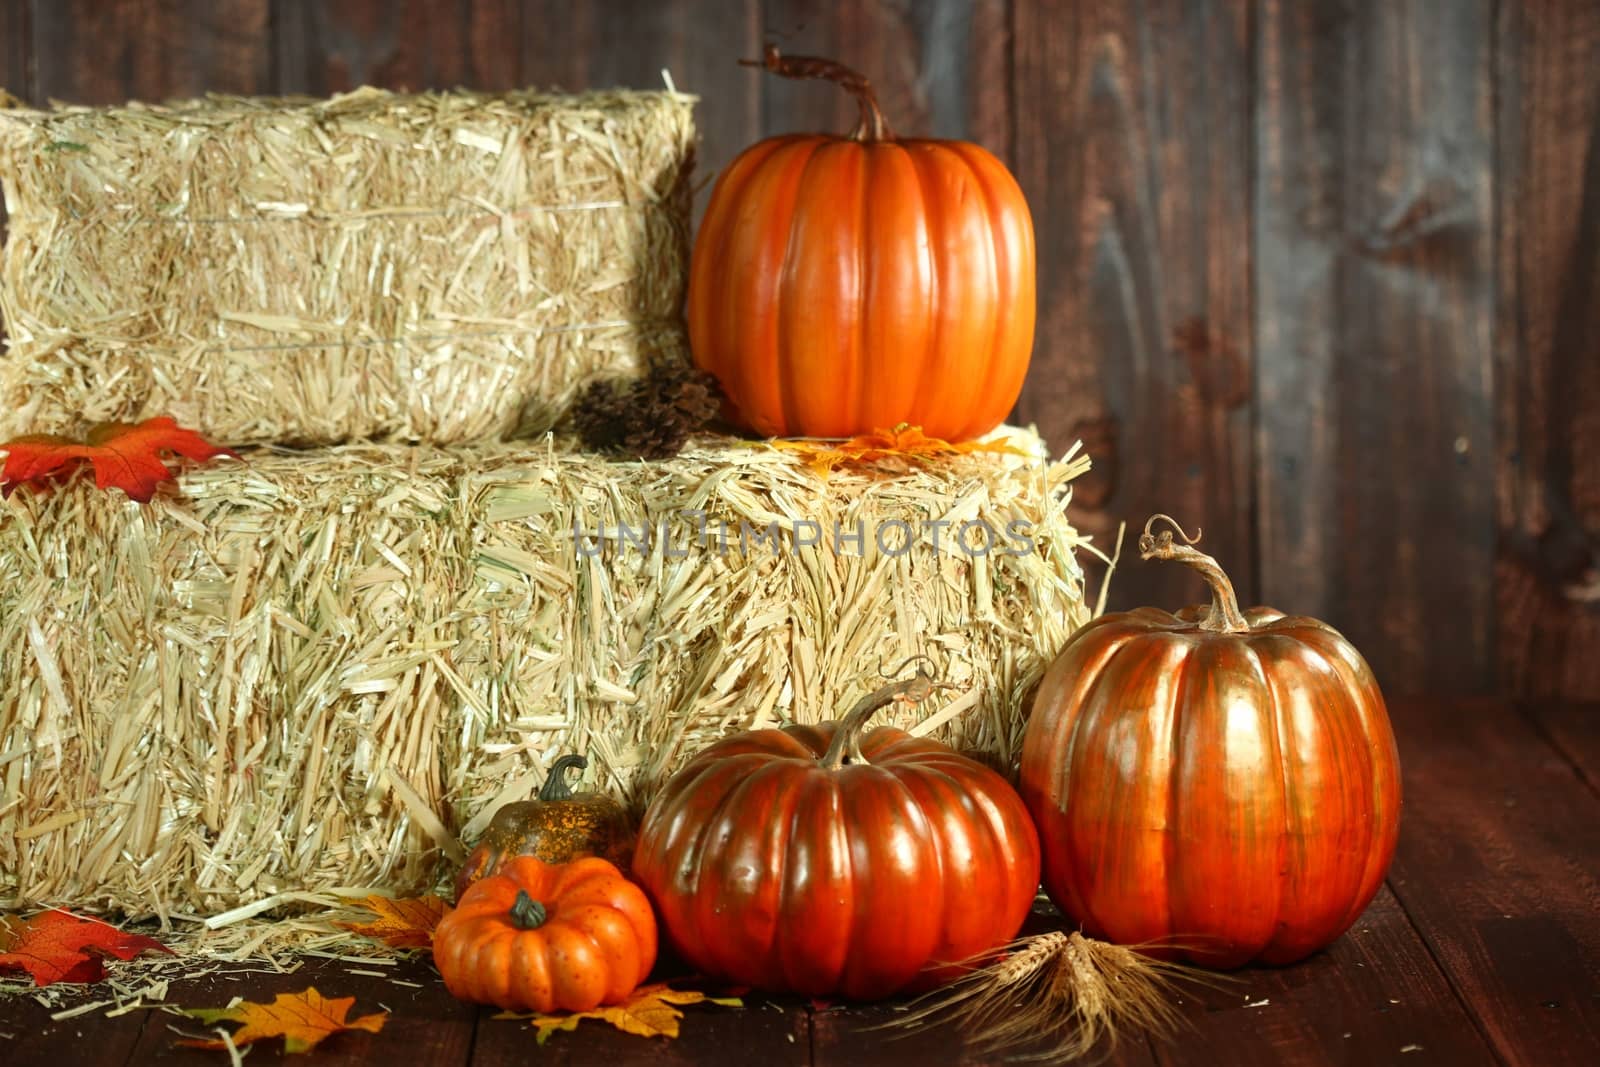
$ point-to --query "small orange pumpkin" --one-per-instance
(557, 826)
(547, 937)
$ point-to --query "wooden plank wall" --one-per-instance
(1321, 278)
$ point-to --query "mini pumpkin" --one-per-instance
(556, 826)
(1219, 780)
(547, 937)
(831, 860)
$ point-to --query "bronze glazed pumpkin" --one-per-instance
(840, 285)
(547, 937)
(1225, 782)
(829, 861)
(557, 826)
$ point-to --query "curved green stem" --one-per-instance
(527, 913)
(555, 786)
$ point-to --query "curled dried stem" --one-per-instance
(1224, 615)
(872, 126)
(846, 744)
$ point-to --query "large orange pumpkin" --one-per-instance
(830, 862)
(1221, 781)
(844, 284)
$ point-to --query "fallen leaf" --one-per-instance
(57, 946)
(124, 456)
(302, 1019)
(902, 442)
(650, 1011)
(405, 922)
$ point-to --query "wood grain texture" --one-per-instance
(16, 51)
(110, 51)
(1574, 731)
(629, 43)
(427, 1027)
(848, 1036)
(1374, 316)
(1547, 351)
(16, 70)
(30, 1038)
(321, 48)
(1133, 145)
(1499, 869)
(939, 68)
(767, 1033)
(1374, 996)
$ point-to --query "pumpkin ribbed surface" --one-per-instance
(840, 286)
(771, 869)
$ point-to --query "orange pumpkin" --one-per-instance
(547, 937)
(843, 284)
(1224, 781)
(831, 860)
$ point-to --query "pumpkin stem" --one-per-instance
(1224, 616)
(555, 786)
(872, 125)
(846, 745)
(527, 913)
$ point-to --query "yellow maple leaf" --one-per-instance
(302, 1019)
(903, 442)
(650, 1011)
(403, 922)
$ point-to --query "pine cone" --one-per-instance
(648, 418)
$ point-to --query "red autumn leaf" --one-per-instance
(404, 922)
(124, 455)
(57, 946)
(302, 1019)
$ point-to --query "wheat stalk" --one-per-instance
(1058, 996)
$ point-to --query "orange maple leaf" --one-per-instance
(57, 946)
(302, 1019)
(904, 441)
(405, 922)
(124, 455)
(649, 1011)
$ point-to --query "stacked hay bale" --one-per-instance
(324, 668)
(443, 267)
(318, 669)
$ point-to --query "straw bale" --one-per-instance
(323, 670)
(443, 267)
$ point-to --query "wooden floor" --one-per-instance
(1483, 948)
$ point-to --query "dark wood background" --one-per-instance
(1320, 277)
